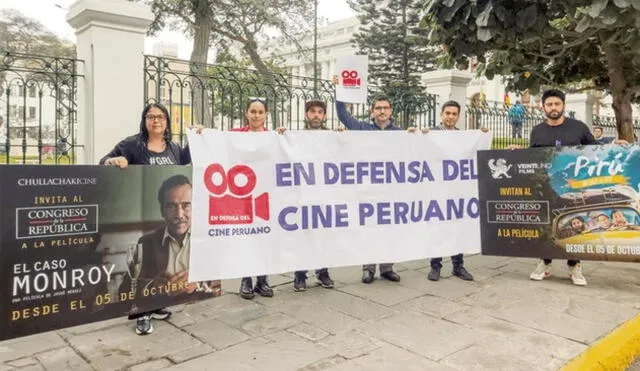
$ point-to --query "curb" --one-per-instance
(615, 351)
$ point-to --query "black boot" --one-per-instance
(246, 288)
(323, 279)
(434, 275)
(300, 281)
(262, 287)
(459, 271)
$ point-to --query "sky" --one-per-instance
(52, 13)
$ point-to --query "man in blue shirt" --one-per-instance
(381, 111)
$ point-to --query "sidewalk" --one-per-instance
(502, 321)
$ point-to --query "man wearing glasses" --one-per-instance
(381, 111)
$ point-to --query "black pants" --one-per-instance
(456, 260)
(570, 263)
(318, 272)
(142, 314)
(258, 278)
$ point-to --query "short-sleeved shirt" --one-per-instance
(571, 132)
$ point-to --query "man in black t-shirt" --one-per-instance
(558, 130)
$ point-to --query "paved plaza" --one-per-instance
(501, 321)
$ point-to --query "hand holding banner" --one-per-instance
(351, 80)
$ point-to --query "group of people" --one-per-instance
(153, 146)
(601, 221)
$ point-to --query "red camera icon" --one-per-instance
(350, 78)
(239, 207)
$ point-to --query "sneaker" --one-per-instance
(324, 280)
(161, 314)
(575, 273)
(144, 325)
(300, 282)
(542, 271)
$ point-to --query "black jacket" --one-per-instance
(134, 149)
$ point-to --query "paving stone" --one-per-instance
(326, 318)
(580, 320)
(62, 359)
(95, 326)
(351, 344)
(308, 332)
(390, 357)
(324, 364)
(151, 365)
(382, 291)
(270, 323)
(118, 347)
(534, 350)
(432, 305)
(427, 336)
(354, 306)
(281, 351)
(190, 353)
(24, 362)
(215, 333)
(28, 345)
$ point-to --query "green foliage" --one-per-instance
(579, 44)
(539, 43)
(235, 81)
(397, 47)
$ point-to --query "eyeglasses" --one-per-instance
(155, 117)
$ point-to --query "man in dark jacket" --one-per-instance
(381, 111)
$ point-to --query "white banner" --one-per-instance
(351, 78)
(265, 203)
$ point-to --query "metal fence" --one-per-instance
(38, 111)
(215, 96)
(609, 128)
(507, 129)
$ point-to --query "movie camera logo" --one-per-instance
(350, 79)
(501, 169)
(51, 221)
(518, 212)
(238, 206)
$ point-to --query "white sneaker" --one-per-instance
(542, 271)
(575, 273)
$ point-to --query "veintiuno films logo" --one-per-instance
(238, 206)
(350, 79)
(499, 168)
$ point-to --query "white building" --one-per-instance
(334, 40)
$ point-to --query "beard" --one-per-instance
(314, 124)
(554, 115)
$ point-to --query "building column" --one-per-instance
(110, 41)
(448, 85)
(582, 106)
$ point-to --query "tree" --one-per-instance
(579, 44)
(397, 47)
(229, 22)
(236, 82)
(20, 34)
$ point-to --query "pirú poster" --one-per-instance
(574, 202)
(81, 244)
(266, 203)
